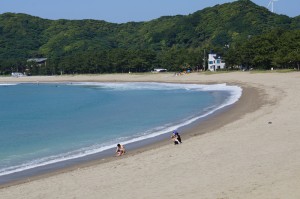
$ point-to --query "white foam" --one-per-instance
(7, 84)
(235, 94)
(151, 86)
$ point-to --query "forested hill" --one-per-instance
(97, 46)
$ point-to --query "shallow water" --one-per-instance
(47, 123)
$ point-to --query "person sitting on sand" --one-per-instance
(176, 137)
(120, 150)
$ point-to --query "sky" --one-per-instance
(122, 11)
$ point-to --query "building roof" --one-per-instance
(37, 60)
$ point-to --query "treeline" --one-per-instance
(276, 49)
(111, 61)
(244, 33)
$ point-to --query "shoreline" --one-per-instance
(132, 148)
(230, 160)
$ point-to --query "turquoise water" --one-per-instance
(47, 123)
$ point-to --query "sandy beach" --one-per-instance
(251, 150)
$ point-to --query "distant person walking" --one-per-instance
(120, 150)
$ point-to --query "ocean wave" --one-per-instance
(7, 84)
(154, 86)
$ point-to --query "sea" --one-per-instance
(46, 123)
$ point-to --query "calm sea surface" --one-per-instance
(47, 123)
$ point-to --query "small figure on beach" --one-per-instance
(120, 150)
(176, 137)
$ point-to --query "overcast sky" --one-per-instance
(121, 11)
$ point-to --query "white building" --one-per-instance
(215, 62)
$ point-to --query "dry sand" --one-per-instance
(250, 151)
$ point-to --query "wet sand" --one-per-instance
(249, 150)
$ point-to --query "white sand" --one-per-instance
(246, 158)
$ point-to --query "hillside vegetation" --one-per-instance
(243, 32)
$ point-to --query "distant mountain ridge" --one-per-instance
(23, 36)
